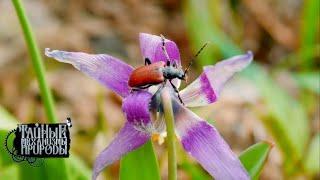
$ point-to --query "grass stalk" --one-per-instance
(37, 62)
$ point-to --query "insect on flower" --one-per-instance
(158, 73)
(199, 138)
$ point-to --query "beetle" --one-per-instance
(159, 72)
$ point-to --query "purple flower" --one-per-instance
(200, 139)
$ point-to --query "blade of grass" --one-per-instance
(309, 80)
(58, 164)
(309, 31)
(10, 172)
(7, 123)
(255, 157)
(194, 171)
(312, 160)
(36, 61)
(78, 168)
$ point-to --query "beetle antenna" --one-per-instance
(164, 49)
(193, 59)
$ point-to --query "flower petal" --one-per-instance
(108, 70)
(136, 107)
(151, 47)
(207, 87)
(128, 139)
(205, 144)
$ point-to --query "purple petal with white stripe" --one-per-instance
(207, 87)
(136, 107)
(203, 142)
(128, 139)
(108, 70)
(151, 47)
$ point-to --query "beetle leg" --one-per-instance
(147, 61)
(177, 91)
(164, 50)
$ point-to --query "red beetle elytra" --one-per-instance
(159, 72)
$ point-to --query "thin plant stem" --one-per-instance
(39, 69)
(171, 146)
(36, 61)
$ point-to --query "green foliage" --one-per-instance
(78, 169)
(52, 169)
(309, 81)
(9, 172)
(37, 61)
(254, 158)
(7, 123)
(140, 164)
(309, 30)
(196, 15)
(312, 161)
(194, 171)
(5, 158)
(282, 111)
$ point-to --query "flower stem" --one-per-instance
(168, 115)
(36, 61)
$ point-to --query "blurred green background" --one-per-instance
(275, 99)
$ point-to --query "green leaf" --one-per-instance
(309, 81)
(254, 158)
(312, 161)
(194, 171)
(140, 164)
(5, 157)
(309, 30)
(78, 169)
(9, 172)
(7, 123)
(52, 169)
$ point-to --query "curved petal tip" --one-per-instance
(151, 47)
(56, 54)
(128, 139)
(249, 55)
(203, 142)
(206, 89)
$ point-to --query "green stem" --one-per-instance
(36, 61)
(38, 66)
(168, 115)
